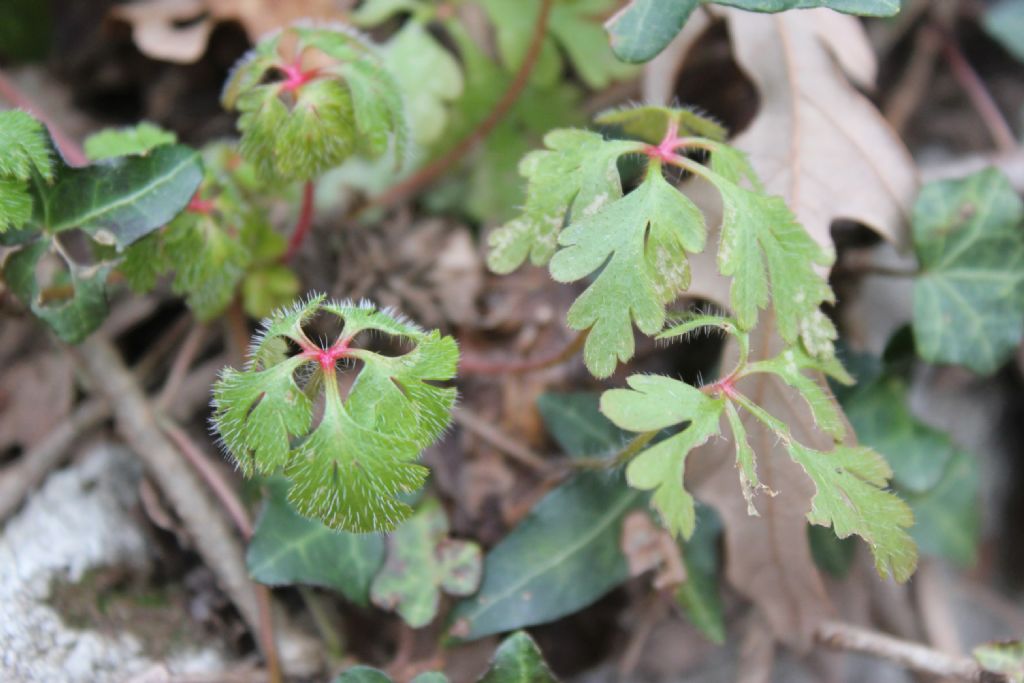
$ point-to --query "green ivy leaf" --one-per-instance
(969, 298)
(851, 498)
(699, 594)
(348, 471)
(641, 241)
(73, 316)
(288, 549)
(429, 78)
(518, 660)
(422, 561)
(653, 403)
(362, 674)
(643, 28)
(1004, 21)
(575, 176)
(938, 481)
(139, 139)
(562, 557)
(122, 200)
(577, 425)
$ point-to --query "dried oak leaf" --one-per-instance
(178, 30)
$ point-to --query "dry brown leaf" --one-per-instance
(768, 558)
(649, 547)
(816, 140)
(178, 30)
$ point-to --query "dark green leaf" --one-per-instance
(577, 424)
(72, 317)
(518, 660)
(287, 549)
(643, 28)
(969, 298)
(362, 674)
(699, 595)
(123, 200)
(1004, 21)
(561, 558)
(833, 554)
(948, 518)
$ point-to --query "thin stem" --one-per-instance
(474, 365)
(910, 655)
(71, 150)
(333, 640)
(187, 353)
(978, 93)
(432, 171)
(636, 444)
(304, 223)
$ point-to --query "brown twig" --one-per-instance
(186, 355)
(475, 365)
(432, 171)
(21, 478)
(304, 223)
(497, 438)
(72, 150)
(977, 92)
(913, 656)
(215, 543)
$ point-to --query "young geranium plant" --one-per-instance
(349, 469)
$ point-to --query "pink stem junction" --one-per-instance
(295, 77)
(327, 358)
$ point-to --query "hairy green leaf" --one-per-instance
(969, 298)
(574, 177)
(640, 243)
(314, 117)
(422, 561)
(653, 403)
(288, 549)
(350, 469)
(24, 151)
(851, 498)
(938, 481)
(771, 258)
